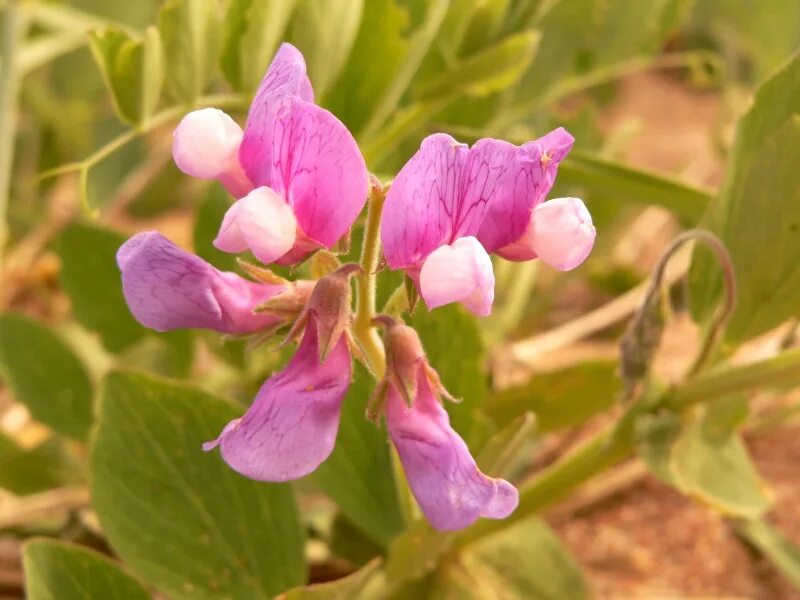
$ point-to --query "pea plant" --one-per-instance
(265, 265)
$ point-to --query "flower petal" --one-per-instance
(449, 488)
(168, 288)
(290, 428)
(420, 205)
(262, 222)
(304, 153)
(206, 145)
(458, 273)
(318, 168)
(560, 233)
(285, 78)
(530, 177)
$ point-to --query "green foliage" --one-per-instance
(251, 32)
(487, 71)
(454, 347)
(709, 461)
(45, 375)
(541, 568)
(358, 474)
(189, 30)
(762, 34)
(46, 466)
(91, 279)
(560, 398)
(780, 550)
(61, 571)
(756, 214)
(607, 180)
(209, 215)
(377, 52)
(325, 31)
(346, 588)
(179, 517)
(133, 70)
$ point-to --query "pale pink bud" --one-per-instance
(206, 145)
(461, 272)
(560, 233)
(262, 222)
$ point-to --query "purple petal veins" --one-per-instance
(167, 288)
(290, 428)
(447, 484)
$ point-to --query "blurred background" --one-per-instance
(650, 90)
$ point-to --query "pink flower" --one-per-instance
(447, 484)
(168, 288)
(451, 206)
(291, 427)
(298, 172)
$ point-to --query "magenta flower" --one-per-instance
(290, 428)
(447, 484)
(451, 206)
(168, 288)
(296, 169)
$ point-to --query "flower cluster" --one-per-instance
(300, 182)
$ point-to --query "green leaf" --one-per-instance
(655, 435)
(179, 517)
(251, 33)
(45, 375)
(208, 218)
(348, 542)
(757, 215)
(488, 71)
(44, 467)
(90, 277)
(710, 463)
(419, 42)
(61, 571)
(606, 179)
(580, 36)
(133, 70)
(325, 31)
(377, 53)
(502, 450)
(358, 474)
(190, 31)
(524, 560)
(780, 550)
(765, 38)
(559, 399)
(346, 588)
(453, 344)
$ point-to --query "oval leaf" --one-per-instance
(178, 516)
(60, 571)
(45, 375)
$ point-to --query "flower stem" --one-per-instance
(363, 330)
(365, 333)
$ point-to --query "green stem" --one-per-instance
(364, 331)
(14, 29)
(616, 442)
(779, 371)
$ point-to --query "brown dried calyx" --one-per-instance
(328, 308)
(405, 358)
